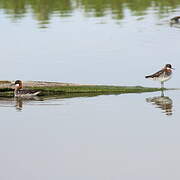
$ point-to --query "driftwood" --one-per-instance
(9, 84)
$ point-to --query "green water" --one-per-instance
(43, 10)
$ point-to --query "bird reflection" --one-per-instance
(163, 102)
(175, 24)
(17, 102)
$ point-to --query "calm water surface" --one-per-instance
(103, 137)
(104, 42)
(129, 136)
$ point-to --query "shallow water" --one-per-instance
(96, 42)
(103, 137)
(128, 136)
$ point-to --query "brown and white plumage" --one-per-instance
(20, 92)
(163, 75)
(175, 19)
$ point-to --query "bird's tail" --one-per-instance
(36, 93)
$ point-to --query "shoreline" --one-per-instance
(59, 88)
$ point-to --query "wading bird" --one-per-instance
(163, 75)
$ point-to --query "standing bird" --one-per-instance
(20, 92)
(163, 75)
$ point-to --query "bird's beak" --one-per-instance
(173, 68)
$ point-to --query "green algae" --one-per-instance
(82, 89)
(93, 89)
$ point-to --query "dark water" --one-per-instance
(129, 136)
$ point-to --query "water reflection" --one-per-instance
(165, 103)
(43, 10)
(16, 102)
(19, 102)
(175, 25)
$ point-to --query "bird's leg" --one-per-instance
(162, 85)
(162, 93)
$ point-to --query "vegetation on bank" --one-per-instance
(66, 89)
(93, 89)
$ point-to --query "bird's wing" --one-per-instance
(27, 91)
(157, 74)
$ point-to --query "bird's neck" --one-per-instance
(168, 70)
(17, 88)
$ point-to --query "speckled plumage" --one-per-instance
(20, 92)
(163, 75)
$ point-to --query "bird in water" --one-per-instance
(20, 92)
(163, 75)
(175, 20)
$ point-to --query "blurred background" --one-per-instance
(88, 41)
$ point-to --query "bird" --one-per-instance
(175, 20)
(163, 75)
(20, 92)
